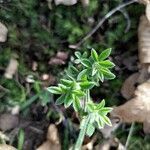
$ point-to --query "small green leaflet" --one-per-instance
(105, 54)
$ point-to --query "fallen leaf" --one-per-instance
(144, 73)
(137, 109)
(145, 2)
(6, 147)
(111, 143)
(3, 32)
(59, 59)
(148, 12)
(56, 61)
(65, 2)
(52, 142)
(8, 121)
(128, 87)
(62, 55)
(144, 40)
(11, 68)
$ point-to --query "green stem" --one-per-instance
(81, 135)
(129, 136)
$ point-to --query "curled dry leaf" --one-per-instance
(11, 68)
(52, 142)
(137, 109)
(7, 147)
(128, 87)
(144, 40)
(8, 121)
(65, 2)
(3, 32)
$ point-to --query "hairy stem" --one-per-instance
(81, 135)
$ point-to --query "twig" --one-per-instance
(129, 136)
(126, 16)
(118, 8)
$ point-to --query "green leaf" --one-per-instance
(106, 110)
(86, 63)
(107, 74)
(68, 100)
(107, 64)
(94, 55)
(21, 139)
(90, 106)
(101, 76)
(94, 71)
(100, 122)
(106, 120)
(104, 54)
(66, 82)
(78, 54)
(78, 93)
(76, 104)
(45, 97)
(63, 88)
(82, 74)
(60, 100)
(86, 85)
(54, 90)
(90, 130)
(101, 104)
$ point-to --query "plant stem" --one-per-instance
(81, 135)
(130, 134)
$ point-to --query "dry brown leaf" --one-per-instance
(65, 2)
(148, 11)
(3, 32)
(90, 145)
(128, 87)
(52, 142)
(6, 147)
(62, 55)
(11, 68)
(145, 2)
(144, 73)
(112, 142)
(137, 109)
(8, 121)
(144, 40)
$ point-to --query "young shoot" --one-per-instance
(86, 72)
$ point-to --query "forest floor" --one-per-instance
(37, 45)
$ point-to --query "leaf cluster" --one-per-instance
(86, 72)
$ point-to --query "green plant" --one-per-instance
(75, 88)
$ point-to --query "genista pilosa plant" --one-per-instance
(74, 90)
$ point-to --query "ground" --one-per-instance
(36, 34)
